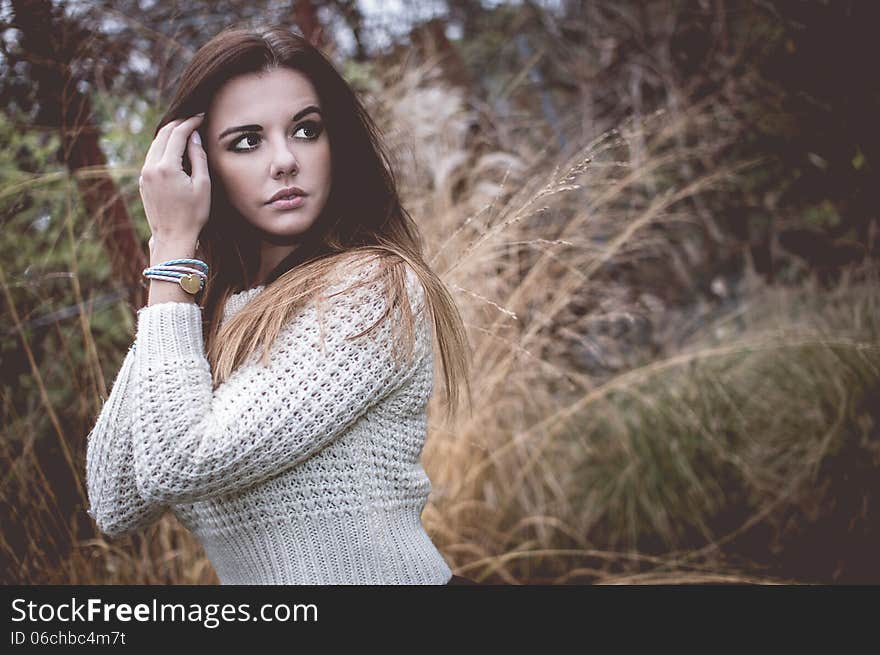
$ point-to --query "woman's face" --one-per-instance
(264, 133)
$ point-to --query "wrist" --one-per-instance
(162, 250)
(165, 291)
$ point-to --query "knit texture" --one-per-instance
(305, 470)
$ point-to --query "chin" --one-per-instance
(289, 223)
(285, 237)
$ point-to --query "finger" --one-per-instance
(157, 147)
(198, 158)
(177, 142)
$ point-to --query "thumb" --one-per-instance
(197, 157)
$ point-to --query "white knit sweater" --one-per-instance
(305, 471)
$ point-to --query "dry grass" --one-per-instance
(609, 444)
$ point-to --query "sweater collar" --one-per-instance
(237, 301)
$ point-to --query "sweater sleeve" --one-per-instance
(192, 442)
(114, 502)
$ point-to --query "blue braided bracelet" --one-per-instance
(190, 280)
(195, 262)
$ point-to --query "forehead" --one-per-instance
(249, 98)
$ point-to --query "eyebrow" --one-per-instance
(258, 128)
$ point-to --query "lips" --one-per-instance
(289, 192)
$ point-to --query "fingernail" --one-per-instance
(197, 139)
(201, 113)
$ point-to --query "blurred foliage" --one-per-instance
(785, 69)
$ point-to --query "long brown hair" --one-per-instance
(363, 215)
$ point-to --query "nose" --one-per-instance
(284, 160)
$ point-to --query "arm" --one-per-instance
(193, 443)
(115, 504)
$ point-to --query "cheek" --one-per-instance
(232, 175)
(237, 188)
(324, 165)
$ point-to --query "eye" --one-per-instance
(243, 136)
(313, 126)
(310, 126)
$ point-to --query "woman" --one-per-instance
(275, 397)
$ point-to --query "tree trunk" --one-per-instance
(63, 106)
(305, 15)
(355, 20)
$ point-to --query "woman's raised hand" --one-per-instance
(176, 205)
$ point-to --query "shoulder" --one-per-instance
(369, 292)
(359, 276)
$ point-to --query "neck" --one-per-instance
(270, 256)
